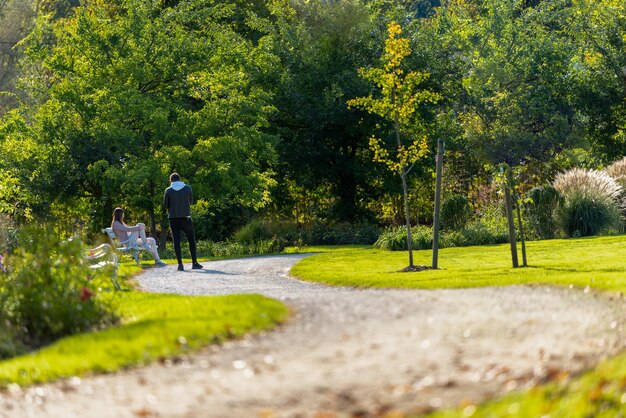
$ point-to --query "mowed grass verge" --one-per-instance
(598, 262)
(153, 326)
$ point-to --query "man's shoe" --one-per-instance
(196, 266)
(159, 263)
(181, 267)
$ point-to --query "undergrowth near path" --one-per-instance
(154, 326)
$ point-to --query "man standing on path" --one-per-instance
(177, 200)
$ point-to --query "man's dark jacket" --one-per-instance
(178, 202)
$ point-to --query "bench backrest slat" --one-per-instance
(112, 237)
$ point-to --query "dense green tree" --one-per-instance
(56, 8)
(124, 84)
(247, 100)
(410, 9)
(323, 144)
(516, 105)
(598, 29)
(16, 21)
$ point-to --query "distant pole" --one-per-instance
(437, 202)
(509, 216)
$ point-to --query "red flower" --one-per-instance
(85, 294)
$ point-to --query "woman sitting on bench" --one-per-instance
(136, 235)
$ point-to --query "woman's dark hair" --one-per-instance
(118, 214)
(174, 177)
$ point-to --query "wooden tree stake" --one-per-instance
(437, 203)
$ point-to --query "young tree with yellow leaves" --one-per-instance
(399, 98)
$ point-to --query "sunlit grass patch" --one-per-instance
(153, 326)
(598, 262)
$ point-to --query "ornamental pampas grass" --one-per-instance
(589, 183)
(617, 170)
(591, 201)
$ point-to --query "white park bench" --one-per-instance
(126, 247)
(104, 256)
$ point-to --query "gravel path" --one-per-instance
(348, 352)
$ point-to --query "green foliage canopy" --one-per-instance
(128, 92)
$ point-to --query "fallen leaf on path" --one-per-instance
(145, 413)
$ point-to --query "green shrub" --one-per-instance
(421, 237)
(8, 234)
(228, 249)
(289, 231)
(590, 202)
(455, 212)
(474, 233)
(253, 232)
(50, 291)
(10, 346)
(316, 233)
(341, 233)
(585, 216)
(394, 239)
(482, 231)
(541, 209)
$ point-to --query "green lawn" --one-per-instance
(596, 262)
(153, 326)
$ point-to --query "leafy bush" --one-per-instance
(253, 232)
(474, 233)
(49, 292)
(590, 202)
(395, 239)
(455, 212)
(542, 208)
(8, 234)
(342, 233)
(585, 216)
(477, 232)
(229, 249)
(316, 233)
(10, 346)
(226, 249)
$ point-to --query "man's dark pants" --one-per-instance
(186, 226)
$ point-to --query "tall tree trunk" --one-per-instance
(346, 207)
(153, 224)
(107, 213)
(405, 191)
